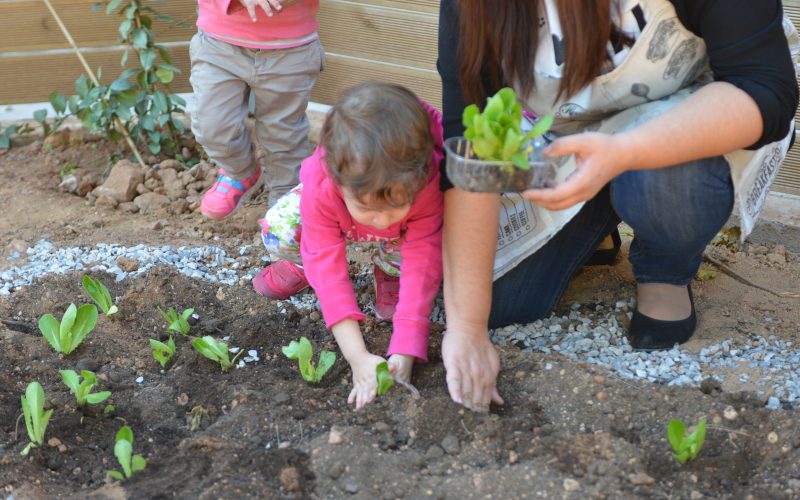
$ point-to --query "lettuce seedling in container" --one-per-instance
(123, 450)
(162, 352)
(178, 323)
(83, 390)
(686, 447)
(495, 155)
(99, 293)
(36, 418)
(75, 325)
(303, 352)
(215, 351)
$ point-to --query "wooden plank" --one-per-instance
(342, 72)
(378, 33)
(431, 6)
(33, 27)
(33, 78)
(788, 179)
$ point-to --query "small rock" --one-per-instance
(599, 379)
(571, 485)
(62, 448)
(183, 399)
(780, 250)
(151, 202)
(641, 479)
(451, 445)
(336, 470)
(121, 182)
(87, 364)
(281, 398)
(314, 316)
(76, 471)
(601, 396)
(351, 488)
(54, 442)
(513, 457)
(128, 264)
(730, 413)
(105, 201)
(336, 435)
(290, 479)
(157, 226)
(776, 258)
(772, 437)
(695, 495)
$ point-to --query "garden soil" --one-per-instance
(567, 430)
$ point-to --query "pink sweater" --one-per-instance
(228, 20)
(327, 225)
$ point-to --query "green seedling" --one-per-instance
(303, 352)
(496, 133)
(98, 291)
(215, 350)
(5, 136)
(178, 323)
(385, 381)
(109, 410)
(123, 450)
(163, 352)
(686, 448)
(83, 390)
(75, 325)
(35, 417)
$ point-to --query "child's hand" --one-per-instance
(268, 6)
(401, 366)
(365, 382)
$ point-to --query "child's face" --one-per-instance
(374, 214)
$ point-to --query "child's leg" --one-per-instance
(219, 78)
(387, 279)
(387, 258)
(282, 90)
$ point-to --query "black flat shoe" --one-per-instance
(607, 256)
(648, 334)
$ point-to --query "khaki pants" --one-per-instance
(223, 76)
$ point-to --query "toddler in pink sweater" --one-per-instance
(373, 178)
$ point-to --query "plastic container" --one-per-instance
(468, 172)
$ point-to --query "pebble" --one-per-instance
(351, 488)
(450, 444)
(772, 437)
(290, 479)
(336, 436)
(571, 485)
(336, 469)
(641, 479)
(730, 413)
(87, 364)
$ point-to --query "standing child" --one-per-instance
(373, 178)
(243, 47)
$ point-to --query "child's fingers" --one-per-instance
(352, 397)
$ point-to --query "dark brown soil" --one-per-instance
(567, 429)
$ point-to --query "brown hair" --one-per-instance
(498, 40)
(378, 143)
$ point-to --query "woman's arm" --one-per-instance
(468, 249)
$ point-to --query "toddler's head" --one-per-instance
(378, 145)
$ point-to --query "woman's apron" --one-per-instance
(666, 64)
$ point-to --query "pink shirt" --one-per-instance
(229, 21)
(327, 226)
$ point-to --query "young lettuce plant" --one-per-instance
(36, 418)
(686, 448)
(99, 293)
(83, 390)
(385, 381)
(178, 323)
(496, 133)
(123, 450)
(303, 352)
(162, 352)
(214, 350)
(75, 325)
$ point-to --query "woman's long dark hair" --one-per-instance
(498, 40)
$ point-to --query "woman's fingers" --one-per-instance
(454, 385)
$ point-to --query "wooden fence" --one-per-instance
(392, 40)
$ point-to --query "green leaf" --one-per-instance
(40, 115)
(49, 327)
(162, 352)
(302, 352)
(116, 475)
(147, 57)
(326, 361)
(124, 60)
(165, 74)
(675, 432)
(384, 378)
(138, 463)
(123, 450)
(113, 4)
(520, 160)
(70, 379)
(98, 397)
(65, 329)
(100, 294)
(84, 323)
(121, 85)
(541, 126)
(140, 38)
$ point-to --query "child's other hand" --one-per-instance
(365, 382)
(401, 366)
(268, 6)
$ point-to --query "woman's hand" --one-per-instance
(472, 365)
(400, 367)
(599, 158)
(365, 381)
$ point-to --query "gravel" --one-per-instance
(591, 334)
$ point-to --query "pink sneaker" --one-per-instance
(387, 294)
(226, 195)
(280, 280)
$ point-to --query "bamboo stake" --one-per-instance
(89, 72)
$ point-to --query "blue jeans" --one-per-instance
(674, 213)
